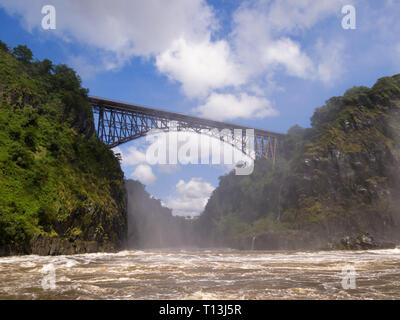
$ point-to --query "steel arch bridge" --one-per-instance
(119, 122)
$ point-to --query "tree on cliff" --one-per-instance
(339, 177)
(3, 46)
(57, 180)
(23, 53)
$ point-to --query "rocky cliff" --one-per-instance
(61, 189)
(345, 178)
(339, 179)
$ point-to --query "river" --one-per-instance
(204, 274)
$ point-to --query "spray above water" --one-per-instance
(151, 225)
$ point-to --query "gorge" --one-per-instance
(62, 191)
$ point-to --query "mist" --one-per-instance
(151, 225)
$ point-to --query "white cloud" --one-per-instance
(179, 37)
(228, 106)
(144, 174)
(298, 15)
(117, 150)
(288, 53)
(125, 27)
(200, 149)
(383, 34)
(86, 69)
(132, 157)
(200, 66)
(262, 37)
(331, 65)
(190, 198)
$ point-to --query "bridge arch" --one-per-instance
(119, 122)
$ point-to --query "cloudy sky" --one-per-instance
(262, 63)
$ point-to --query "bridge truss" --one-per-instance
(119, 122)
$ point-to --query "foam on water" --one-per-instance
(204, 274)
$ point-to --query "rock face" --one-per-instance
(44, 246)
(361, 242)
(346, 177)
(61, 190)
(273, 240)
(340, 178)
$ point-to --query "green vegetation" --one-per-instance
(56, 178)
(339, 177)
(245, 205)
(58, 181)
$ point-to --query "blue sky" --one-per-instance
(266, 64)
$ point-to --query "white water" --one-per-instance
(204, 274)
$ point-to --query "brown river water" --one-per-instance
(204, 274)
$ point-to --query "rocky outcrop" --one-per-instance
(57, 246)
(44, 246)
(361, 242)
(274, 240)
(345, 177)
(339, 178)
(290, 240)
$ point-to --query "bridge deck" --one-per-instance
(174, 116)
